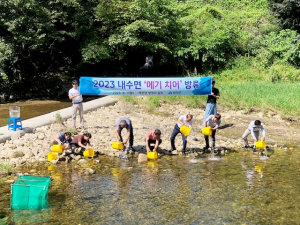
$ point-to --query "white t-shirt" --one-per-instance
(73, 92)
(211, 122)
(183, 119)
(254, 128)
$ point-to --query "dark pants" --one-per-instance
(153, 142)
(212, 137)
(131, 135)
(174, 134)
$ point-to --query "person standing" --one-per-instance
(186, 120)
(214, 122)
(125, 122)
(76, 97)
(253, 129)
(211, 104)
(153, 137)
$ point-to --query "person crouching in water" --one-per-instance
(153, 137)
(253, 129)
(214, 122)
(64, 139)
(186, 120)
(82, 141)
(125, 123)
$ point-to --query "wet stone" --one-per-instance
(91, 171)
(142, 158)
(81, 161)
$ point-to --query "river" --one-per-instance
(240, 187)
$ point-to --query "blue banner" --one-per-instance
(145, 86)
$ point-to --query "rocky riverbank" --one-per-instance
(33, 148)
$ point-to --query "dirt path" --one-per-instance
(279, 132)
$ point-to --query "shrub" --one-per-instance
(5, 168)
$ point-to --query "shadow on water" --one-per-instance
(171, 190)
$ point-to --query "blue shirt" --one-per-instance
(128, 127)
(61, 137)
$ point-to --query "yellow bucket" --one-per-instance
(185, 130)
(117, 145)
(57, 176)
(261, 144)
(152, 155)
(51, 167)
(259, 168)
(57, 148)
(116, 172)
(52, 156)
(207, 131)
(88, 153)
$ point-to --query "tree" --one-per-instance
(287, 12)
(43, 37)
(210, 38)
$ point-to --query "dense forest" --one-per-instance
(46, 43)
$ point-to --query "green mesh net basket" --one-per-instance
(30, 192)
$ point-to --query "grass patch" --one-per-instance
(58, 118)
(130, 99)
(153, 102)
(279, 97)
(72, 131)
(5, 168)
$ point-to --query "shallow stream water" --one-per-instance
(240, 188)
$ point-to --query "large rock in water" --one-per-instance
(142, 158)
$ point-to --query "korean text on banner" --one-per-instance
(146, 86)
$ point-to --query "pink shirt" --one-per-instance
(151, 136)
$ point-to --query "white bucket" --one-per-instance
(14, 111)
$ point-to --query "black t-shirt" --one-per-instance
(212, 99)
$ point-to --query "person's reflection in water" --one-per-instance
(123, 176)
(251, 169)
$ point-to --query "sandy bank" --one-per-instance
(34, 147)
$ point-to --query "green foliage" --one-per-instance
(279, 97)
(248, 95)
(58, 118)
(211, 38)
(283, 72)
(287, 12)
(250, 69)
(44, 42)
(5, 168)
(72, 131)
(41, 37)
(283, 47)
(153, 102)
(243, 69)
(130, 99)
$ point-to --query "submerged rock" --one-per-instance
(91, 171)
(142, 158)
(81, 161)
